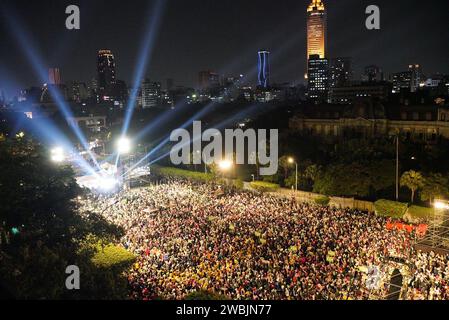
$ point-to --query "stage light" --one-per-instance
(123, 145)
(106, 183)
(20, 135)
(57, 155)
(225, 165)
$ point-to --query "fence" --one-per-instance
(339, 202)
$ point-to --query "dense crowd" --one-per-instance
(190, 237)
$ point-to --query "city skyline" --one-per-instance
(174, 151)
(238, 56)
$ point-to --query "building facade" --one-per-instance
(318, 79)
(425, 123)
(208, 80)
(340, 72)
(349, 94)
(373, 73)
(151, 94)
(409, 80)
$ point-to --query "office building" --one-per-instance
(318, 79)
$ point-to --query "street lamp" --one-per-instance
(291, 160)
(123, 145)
(441, 205)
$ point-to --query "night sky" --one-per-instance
(220, 35)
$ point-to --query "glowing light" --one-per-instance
(106, 183)
(291, 160)
(57, 155)
(123, 145)
(225, 165)
(20, 135)
(441, 205)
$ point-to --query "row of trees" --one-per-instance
(369, 179)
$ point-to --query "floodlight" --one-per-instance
(123, 145)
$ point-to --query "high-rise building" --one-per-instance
(54, 76)
(416, 76)
(373, 73)
(264, 69)
(106, 74)
(407, 80)
(151, 94)
(401, 81)
(318, 79)
(78, 92)
(340, 72)
(316, 29)
(208, 80)
(121, 90)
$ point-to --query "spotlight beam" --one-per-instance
(244, 113)
(26, 44)
(53, 136)
(146, 51)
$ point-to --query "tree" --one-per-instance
(42, 232)
(435, 186)
(412, 180)
(285, 165)
(344, 180)
(312, 172)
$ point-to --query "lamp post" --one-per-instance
(293, 161)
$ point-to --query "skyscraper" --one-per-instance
(264, 69)
(373, 73)
(78, 91)
(416, 76)
(151, 94)
(316, 29)
(318, 79)
(340, 72)
(408, 80)
(106, 73)
(208, 80)
(54, 76)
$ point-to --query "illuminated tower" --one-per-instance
(264, 69)
(316, 29)
(106, 72)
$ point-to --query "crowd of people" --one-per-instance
(190, 237)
